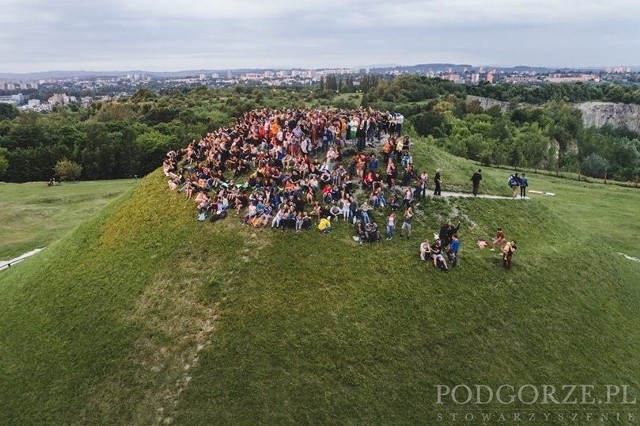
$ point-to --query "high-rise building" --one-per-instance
(489, 77)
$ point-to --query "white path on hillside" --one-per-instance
(447, 194)
(4, 264)
(635, 259)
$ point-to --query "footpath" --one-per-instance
(5, 264)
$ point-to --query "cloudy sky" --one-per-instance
(171, 35)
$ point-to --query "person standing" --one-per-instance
(424, 183)
(438, 182)
(391, 225)
(454, 248)
(475, 179)
(507, 253)
(523, 185)
(406, 224)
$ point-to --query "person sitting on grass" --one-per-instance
(299, 222)
(335, 211)
(278, 217)
(306, 221)
(372, 233)
(361, 233)
(202, 201)
(325, 225)
(499, 239)
(264, 217)
(438, 259)
(316, 211)
(425, 250)
(251, 213)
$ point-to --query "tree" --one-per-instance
(8, 111)
(68, 170)
(4, 163)
(595, 166)
(625, 158)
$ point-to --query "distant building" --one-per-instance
(59, 99)
(489, 78)
(559, 78)
(453, 77)
(12, 99)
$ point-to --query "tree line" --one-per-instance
(109, 140)
(130, 137)
(549, 135)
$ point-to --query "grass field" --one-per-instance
(33, 215)
(144, 315)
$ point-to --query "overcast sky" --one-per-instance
(172, 35)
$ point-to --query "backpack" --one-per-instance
(511, 181)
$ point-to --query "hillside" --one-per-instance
(144, 315)
(33, 215)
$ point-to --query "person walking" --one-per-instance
(514, 183)
(523, 185)
(475, 179)
(438, 182)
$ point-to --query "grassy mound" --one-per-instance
(145, 315)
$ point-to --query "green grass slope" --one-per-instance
(144, 315)
(33, 215)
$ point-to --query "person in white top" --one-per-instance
(391, 225)
(425, 250)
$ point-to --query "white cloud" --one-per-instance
(210, 34)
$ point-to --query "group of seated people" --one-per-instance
(291, 160)
(446, 244)
(293, 175)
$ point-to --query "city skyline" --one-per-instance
(161, 35)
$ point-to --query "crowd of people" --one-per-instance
(298, 169)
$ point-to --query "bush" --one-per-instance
(67, 170)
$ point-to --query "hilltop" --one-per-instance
(145, 315)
